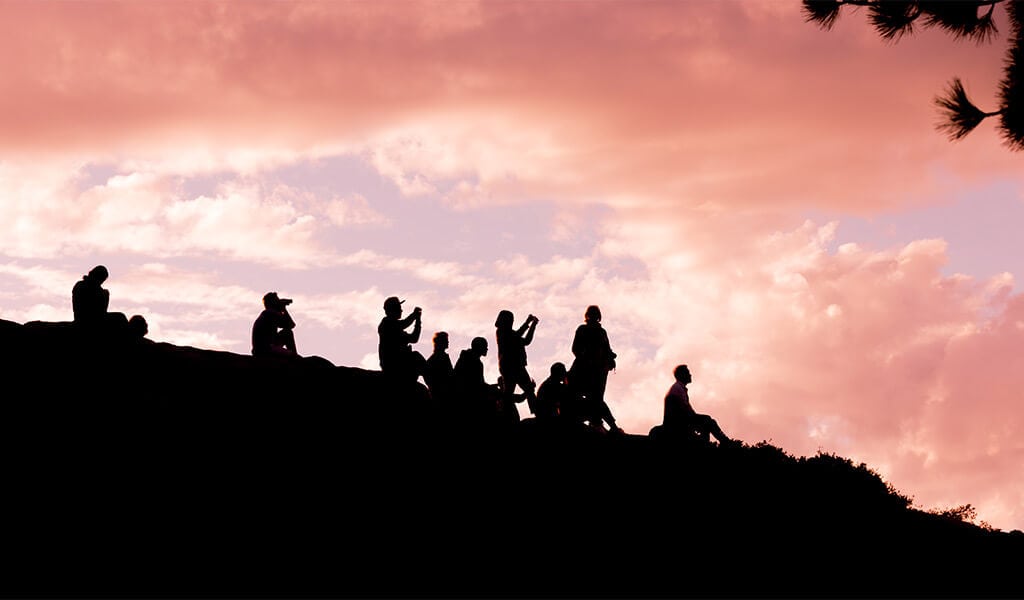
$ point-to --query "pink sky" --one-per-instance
(737, 189)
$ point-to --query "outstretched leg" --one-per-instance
(706, 425)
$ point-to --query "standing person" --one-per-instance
(89, 301)
(439, 374)
(272, 332)
(397, 358)
(588, 374)
(512, 345)
(681, 419)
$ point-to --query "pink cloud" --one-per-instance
(700, 101)
(702, 126)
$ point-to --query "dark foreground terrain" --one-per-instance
(143, 469)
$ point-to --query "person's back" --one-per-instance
(89, 301)
(588, 374)
(512, 361)
(592, 351)
(511, 351)
(469, 373)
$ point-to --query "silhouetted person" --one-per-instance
(439, 374)
(476, 400)
(138, 328)
(512, 345)
(90, 301)
(681, 420)
(272, 332)
(554, 398)
(588, 374)
(397, 358)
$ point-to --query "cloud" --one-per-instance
(356, 210)
(508, 99)
(871, 353)
(703, 130)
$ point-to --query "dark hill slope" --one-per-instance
(141, 469)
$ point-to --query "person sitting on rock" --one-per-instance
(554, 397)
(439, 374)
(394, 349)
(90, 301)
(681, 420)
(272, 332)
(477, 401)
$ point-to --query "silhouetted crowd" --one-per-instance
(568, 396)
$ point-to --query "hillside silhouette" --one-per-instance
(134, 468)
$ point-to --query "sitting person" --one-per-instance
(397, 358)
(89, 302)
(681, 420)
(138, 328)
(476, 400)
(554, 397)
(272, 332)
(439, 374)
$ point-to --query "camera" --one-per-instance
(286, 301)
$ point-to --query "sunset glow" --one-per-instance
(738, 190)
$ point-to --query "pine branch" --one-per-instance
(822, 12)
(1011, 94)
(894, 18)
(960, 18)
(961, 116)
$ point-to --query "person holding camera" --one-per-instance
(512, 345)
(272, 333)
(397, 358)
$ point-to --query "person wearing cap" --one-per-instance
(394, 349)
(89, 301)
(272, 332)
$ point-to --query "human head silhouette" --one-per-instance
(505, 319)
(440, 341)
(682, 373)
(273, 302)
(479, 346)
(137, 326)
(558, 371)
(98, 274)
(592, 314)
(393, 306)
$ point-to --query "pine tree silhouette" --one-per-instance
(963, 19)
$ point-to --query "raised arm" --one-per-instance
(286, 321)
(531, 326)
